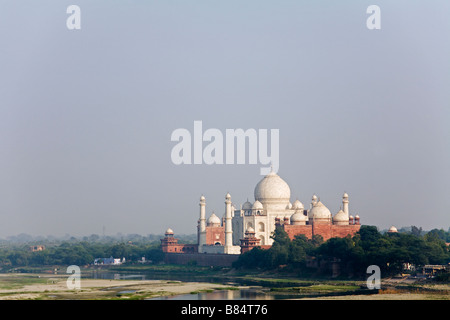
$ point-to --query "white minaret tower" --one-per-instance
(202, 231)
(345, 203)
(228, 227)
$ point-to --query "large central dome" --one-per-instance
(272, 187)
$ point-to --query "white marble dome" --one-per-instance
(297, 205)
(341, 218)
(298, 218)
(214, 220)
(169, 231)
(272, 187)
(247, 205)
(319, 212)
(257, 205)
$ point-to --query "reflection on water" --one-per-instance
(242, 294)
(114, 276)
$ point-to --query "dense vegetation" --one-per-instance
(368, 247)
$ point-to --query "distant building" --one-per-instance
(392, 229)
(37, 248)
(432, 270)
(108, 261)
(170, 244)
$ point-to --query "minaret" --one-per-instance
(345, 203)
(202, 231)
(228, 228)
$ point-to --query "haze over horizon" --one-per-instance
(86, 116)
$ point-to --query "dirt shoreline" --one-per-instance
(45, 286)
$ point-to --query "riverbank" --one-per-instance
(54, 287)
(151, 281)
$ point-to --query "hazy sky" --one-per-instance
(86, 115)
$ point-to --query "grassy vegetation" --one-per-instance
(201, 291)
(17, 282)
(319, 289)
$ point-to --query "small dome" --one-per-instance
(356, 217)
(297, 217)
(169, 231)
(228, 196)
(393, 229)
(319, 211)
(250, 230)
(341, 216)
(202, 198)
(297, 205)
(213, 219)
(247, 206)
(351, 217)
(345, 195)
(257, 205)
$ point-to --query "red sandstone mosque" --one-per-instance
(241, 230)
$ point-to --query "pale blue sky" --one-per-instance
(86, 116)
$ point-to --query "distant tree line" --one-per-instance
(368, 247)
(77, 252)
(23, 238)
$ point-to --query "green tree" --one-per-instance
(416, 231)
(252, 259)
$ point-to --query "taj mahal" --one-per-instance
(239, 230)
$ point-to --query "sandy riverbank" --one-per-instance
(44, 286)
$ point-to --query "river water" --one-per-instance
(241, 294)
(254, 293)
(247, 293)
